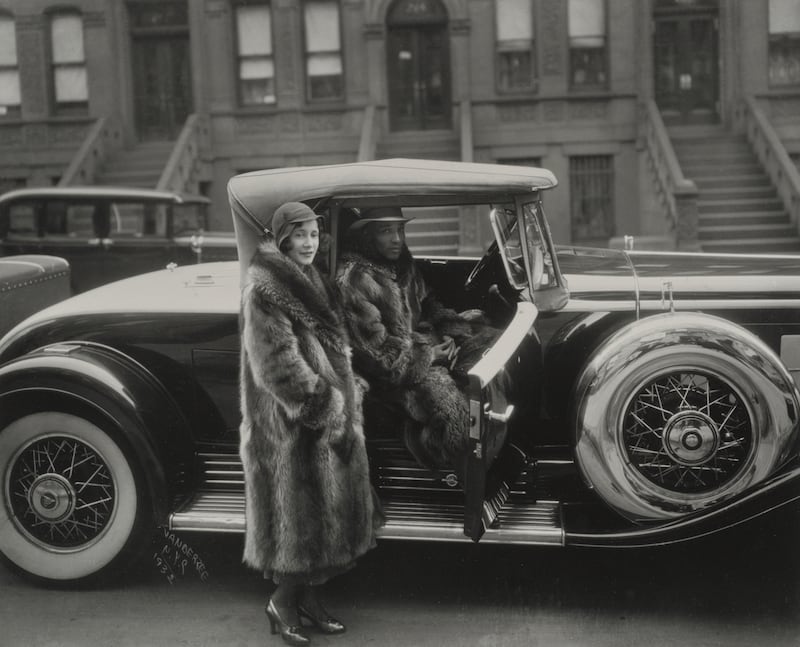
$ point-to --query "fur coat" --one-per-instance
(309, 502)
(393, 322)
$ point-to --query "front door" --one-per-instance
(418, 66)
(686, 65)
(162, 82)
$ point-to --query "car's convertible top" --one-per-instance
(255, 196)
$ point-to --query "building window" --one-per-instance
(784, 42)
(256, 65)
(9, 69)
(324, 78)
(516, 64)
(591, 183)
(70, 86)
(587, 44)
(535, 162)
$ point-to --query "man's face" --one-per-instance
(389, 238)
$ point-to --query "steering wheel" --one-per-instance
(481, 266)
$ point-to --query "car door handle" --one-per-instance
(498, 417)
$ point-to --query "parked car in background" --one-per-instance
(633, 398)
(29, 283)
(109, 233)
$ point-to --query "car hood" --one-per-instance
(208, 288)
(615, 280)
(710, 277)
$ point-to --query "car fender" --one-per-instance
(102, 379)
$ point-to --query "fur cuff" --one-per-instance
(323, 407)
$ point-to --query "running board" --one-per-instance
(518, 520)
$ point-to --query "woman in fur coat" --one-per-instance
(310, 508)
(404, 341)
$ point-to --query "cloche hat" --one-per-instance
(288, 214)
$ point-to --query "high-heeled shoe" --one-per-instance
(291, 634)
(326, 624)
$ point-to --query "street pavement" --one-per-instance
(741, 589)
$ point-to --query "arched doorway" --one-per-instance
(418, 65)
(686, 60)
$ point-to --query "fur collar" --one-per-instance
(301, 293)
(402, 272)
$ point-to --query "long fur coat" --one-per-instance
(393, 322)
(309, 503)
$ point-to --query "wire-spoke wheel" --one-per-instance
(687, 432)
(71, 503)
(680, 412)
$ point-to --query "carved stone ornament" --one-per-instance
(254, 125)
(10, 135)
(322, 122)
(553, 110)
(588, 110)
(518, 112)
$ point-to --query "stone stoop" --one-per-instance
(738, 208)
(434, 231)
(140, 166)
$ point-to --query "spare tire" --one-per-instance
(679, 411)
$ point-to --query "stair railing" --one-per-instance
(677, 194)
(184, 164)
(773, 156)
(103, 137)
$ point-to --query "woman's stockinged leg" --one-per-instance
(309, 607)
(285, 599)
(283, 616)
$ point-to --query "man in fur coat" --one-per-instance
(310, 508)
(404, 340)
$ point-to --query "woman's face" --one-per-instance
(389, 238)
(303, 242)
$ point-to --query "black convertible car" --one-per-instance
(651, 397)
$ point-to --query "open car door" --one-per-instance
(490, 413)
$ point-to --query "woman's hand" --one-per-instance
(445, 352)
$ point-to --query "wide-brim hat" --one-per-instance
(288, 214)
(379, 214)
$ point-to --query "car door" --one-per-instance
(68, 228)
(136, 239)
(19, 228)
(491, 412)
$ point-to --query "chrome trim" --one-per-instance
(670, 343)
(520, 520)
(682, 305)
(513, 516)
(497, 356)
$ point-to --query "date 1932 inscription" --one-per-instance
(174, 558)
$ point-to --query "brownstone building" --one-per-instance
(676, 120)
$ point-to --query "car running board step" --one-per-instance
(520, 519)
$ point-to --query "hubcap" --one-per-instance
(687, 432)
(52, 497)
(690, 438)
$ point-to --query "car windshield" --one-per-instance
(543, 270)
(506, 232)
(513, 246)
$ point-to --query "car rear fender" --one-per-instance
(92, 377)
